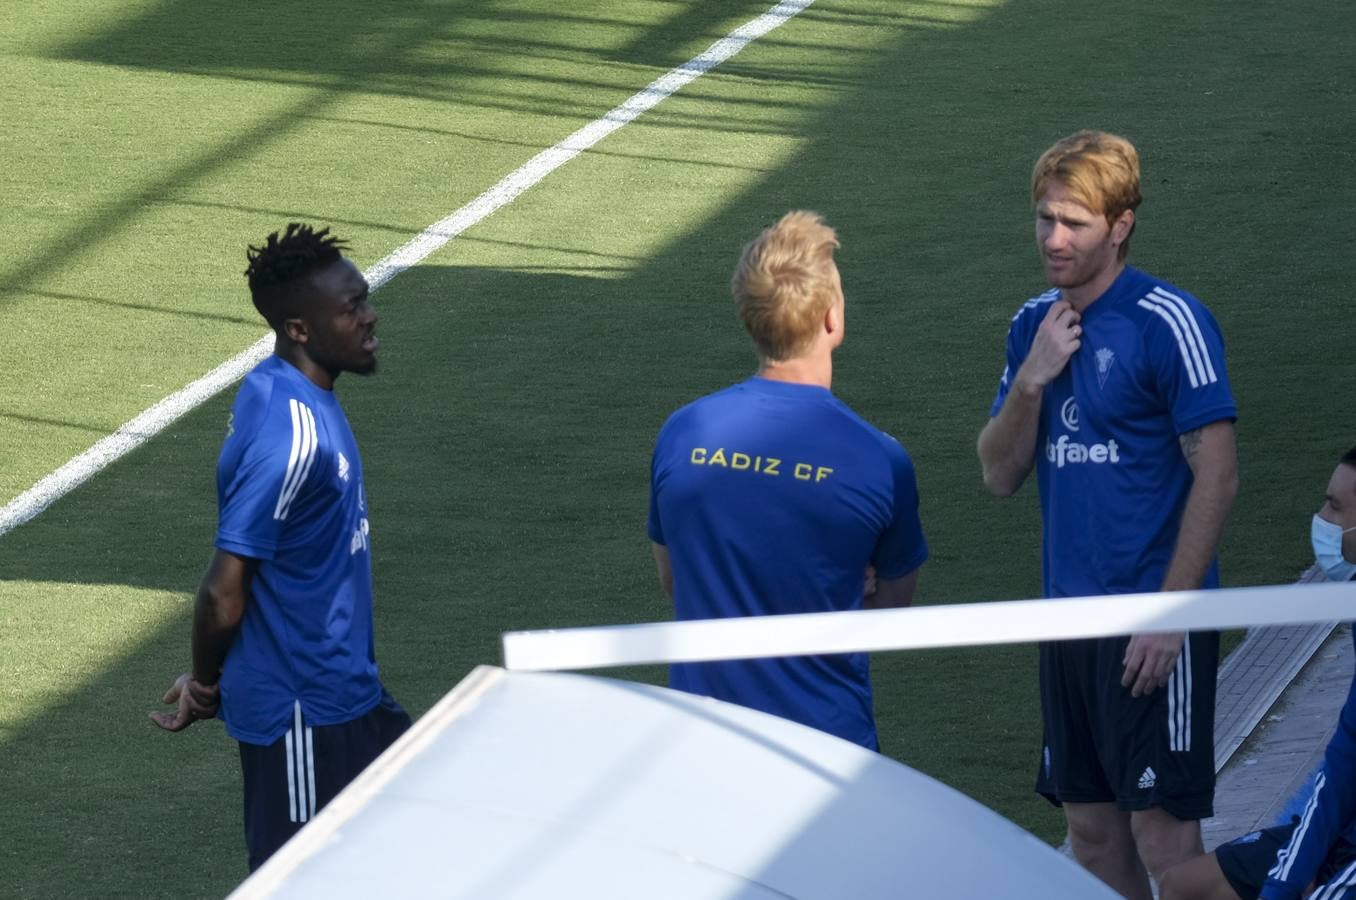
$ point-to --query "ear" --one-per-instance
(296, 330)
(833, 318)
(1120, 229)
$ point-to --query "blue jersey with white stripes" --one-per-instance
(773, 497)
(1113, 480)
(290, 495)
(1329, 813)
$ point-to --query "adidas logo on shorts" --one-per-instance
(1148, 779)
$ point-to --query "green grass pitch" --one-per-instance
(527, 365)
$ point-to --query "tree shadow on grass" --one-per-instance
(427, 51)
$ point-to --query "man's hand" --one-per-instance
(1058, 338)
(891, 593)
(869, 581)
(192, 700)
(1149, 661)
(1007, 444)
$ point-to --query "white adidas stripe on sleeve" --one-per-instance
(1190, 342)
(1286, 857)
(1185, 321)
(302, 458)
(1185, 309)
(1187, 362)
(1337, 886)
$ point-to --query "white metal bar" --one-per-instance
(1003, 622)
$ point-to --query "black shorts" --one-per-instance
(290, 780)
(1246, 860)
(1103, 746)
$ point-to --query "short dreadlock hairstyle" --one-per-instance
(284, 260)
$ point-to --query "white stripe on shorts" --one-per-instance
(291, 780)
(310, 772)
(300, 769)
(1179, 701)
(1186, 667)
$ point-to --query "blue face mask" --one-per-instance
(1327, 540)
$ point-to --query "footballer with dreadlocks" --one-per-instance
(282, 639)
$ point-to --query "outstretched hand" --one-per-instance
(1149, 661)
(192, 701)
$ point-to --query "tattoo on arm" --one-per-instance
(1191, 442)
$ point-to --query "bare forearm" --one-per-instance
(1207, 507)
(1007, 444)
(217, 613)
(1211, 453)
(215, 622)
(664, 568)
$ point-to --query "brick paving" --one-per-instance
(1275, 759)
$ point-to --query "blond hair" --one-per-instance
(784, 284)
(1100, 170)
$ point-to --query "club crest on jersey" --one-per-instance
(343, 467)
(1105, 357)
(1068, 414)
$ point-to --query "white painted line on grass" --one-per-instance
(154, 420)
(133, 434)
(546, 162)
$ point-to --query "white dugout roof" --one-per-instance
(533, 784)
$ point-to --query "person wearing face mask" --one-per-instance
(1314, 855)
(1334, 527)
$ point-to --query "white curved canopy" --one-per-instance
(546, 785)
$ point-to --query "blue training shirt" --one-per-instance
(290, 495)
(771, 498)
(1113, 479)
(1330, 813)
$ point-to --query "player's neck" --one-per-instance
(816, 369)
(1084, 295)
(315, 373)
